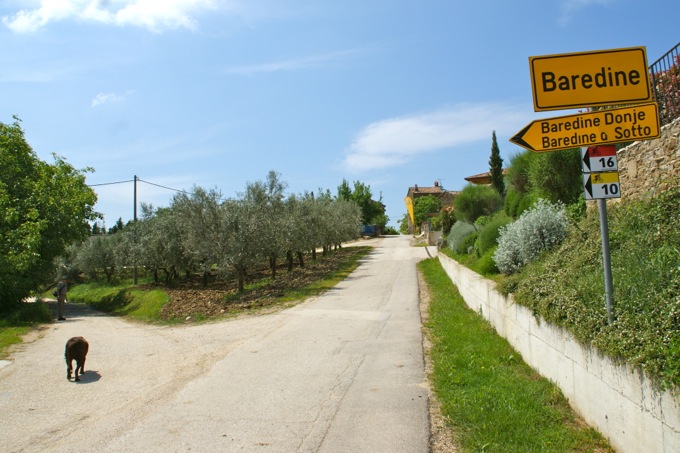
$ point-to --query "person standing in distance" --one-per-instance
(62, 288)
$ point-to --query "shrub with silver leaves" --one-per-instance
(541, 228)
(459, 231)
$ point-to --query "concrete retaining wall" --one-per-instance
(615, 399)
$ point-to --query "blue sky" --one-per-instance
(216, 93)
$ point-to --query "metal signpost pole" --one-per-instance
(606, 259)
(600, 170)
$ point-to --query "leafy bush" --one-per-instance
(446, 219)
(577, 210)
(538, 229)
(475, 201)
(27, 314)
(525, 203)
(468, 244)
(511, 202)
(481, 221)
(485, 265)
(425, 207)
(554, 176)
(390, 230)
(459, 231)
(518, 172)
(567, 287)
(516, 202)
(489, 233)
(557, 175)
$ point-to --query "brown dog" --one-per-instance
(76, 349)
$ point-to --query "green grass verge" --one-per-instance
(141, 305)
(10, 336)
(494, 401)
(19, 321)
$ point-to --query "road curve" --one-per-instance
(342, 372)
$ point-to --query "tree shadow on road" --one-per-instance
(73, 311)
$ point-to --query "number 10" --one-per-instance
(610, 189)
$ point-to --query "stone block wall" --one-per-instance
(650, 166)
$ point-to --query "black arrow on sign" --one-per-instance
(518, 139)
(586, 158)
(589, 186)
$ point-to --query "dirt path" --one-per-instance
(340, 372)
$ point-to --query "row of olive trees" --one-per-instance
(202, 232)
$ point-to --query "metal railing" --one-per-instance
(665, 79)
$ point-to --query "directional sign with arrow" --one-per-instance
(627, 124)
(601, 185)
(599, 158)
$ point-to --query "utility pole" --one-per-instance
(134, 269)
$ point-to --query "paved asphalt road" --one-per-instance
(342, 372)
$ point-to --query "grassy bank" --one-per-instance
(493, 401)
(17, 323)
(566, 285)
(122, 299)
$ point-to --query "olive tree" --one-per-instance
(97, 254)
(155, 242)
(199, 214)
(297, 236)
(344, 221)
(162, 245)
(239, 232)
(266, 199)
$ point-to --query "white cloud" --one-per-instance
(106, 98)
(292, 64)
(396, 141)
(154, 15)
(571, 7)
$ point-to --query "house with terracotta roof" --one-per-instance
(446, 198)
(483, 178)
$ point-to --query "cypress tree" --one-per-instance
(496, 166)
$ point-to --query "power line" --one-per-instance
(146, 182)
(164, 187)
(140, 180)
(110, 183)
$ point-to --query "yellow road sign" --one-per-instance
(639, 122)
(585, 79)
